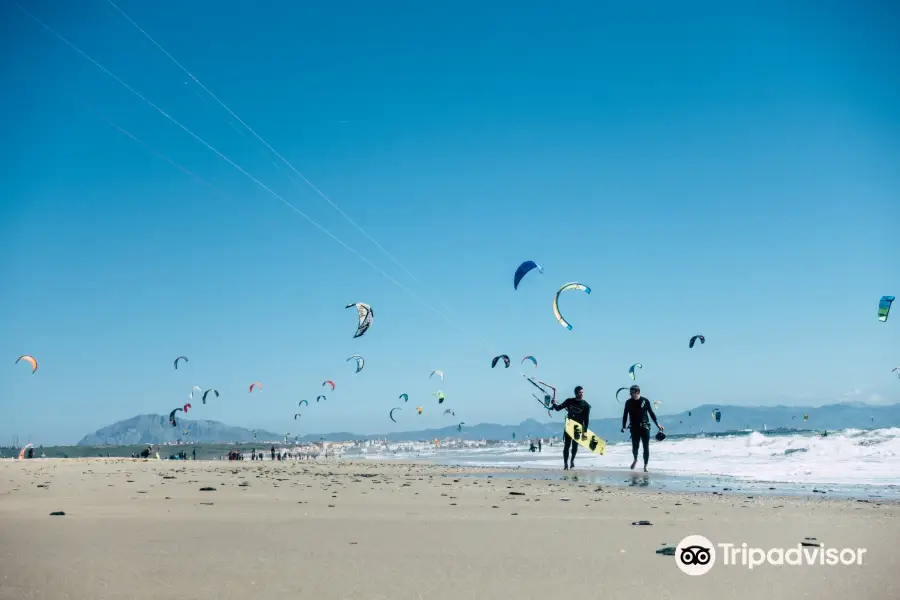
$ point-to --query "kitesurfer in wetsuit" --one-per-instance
(639, 412)
(579, 411)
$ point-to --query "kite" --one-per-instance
(523, 270)
(30, 360)
(404, 396)
(187, 406)
(621, 389)
(717, 415)
(438, 372)
(632, 368)
(216, 392)
(366, 316)
(172, 416)
(656, 403)
(329, 382)
(532, 359)
(566, 288)
(391, 414)
(255, 384)
(459, 427)
(450, 412)
(695, 338)
(184, 358)
(440, 396)
(321, 398)
(884, 307)
(497, 358)
(360, 362)
(419, 409)
(297, 416)
(196, 387)
(306, 402)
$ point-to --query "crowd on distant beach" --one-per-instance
(275, 454)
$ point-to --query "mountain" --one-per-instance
(155, 429)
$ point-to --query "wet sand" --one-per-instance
(145, 530)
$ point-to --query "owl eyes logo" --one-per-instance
(695, 555)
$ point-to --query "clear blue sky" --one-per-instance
(719, 168)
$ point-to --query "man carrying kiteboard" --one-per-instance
(579, 411)
(639, 411)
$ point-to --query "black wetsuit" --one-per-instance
(639, 412)
(580, 412)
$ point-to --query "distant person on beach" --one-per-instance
(639, 412)
(579, 411)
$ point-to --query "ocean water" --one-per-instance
(852, 462)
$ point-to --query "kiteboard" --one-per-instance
(586, 439)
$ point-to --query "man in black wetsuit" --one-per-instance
(579, 411)
(638, 409)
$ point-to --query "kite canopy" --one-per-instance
(360, 362)
(497, 358)
(569, 287)
(391, 414)
(24, 448)
(366, 316)
(255, 384)
(694, 339)
(437, 372)
(632, 368)
(329, 382)
(30, 360)
(532, 359)
(216, 392)
(523, 269)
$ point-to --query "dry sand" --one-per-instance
(144, 529)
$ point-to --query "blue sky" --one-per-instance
(705, 168)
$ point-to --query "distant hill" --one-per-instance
(155, 429)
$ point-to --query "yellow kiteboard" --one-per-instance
(586, 439)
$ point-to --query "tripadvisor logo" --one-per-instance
(696, 555)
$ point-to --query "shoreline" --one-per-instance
(652, 482)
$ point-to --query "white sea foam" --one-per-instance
(848, 457)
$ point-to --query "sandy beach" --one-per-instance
(146, 530)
